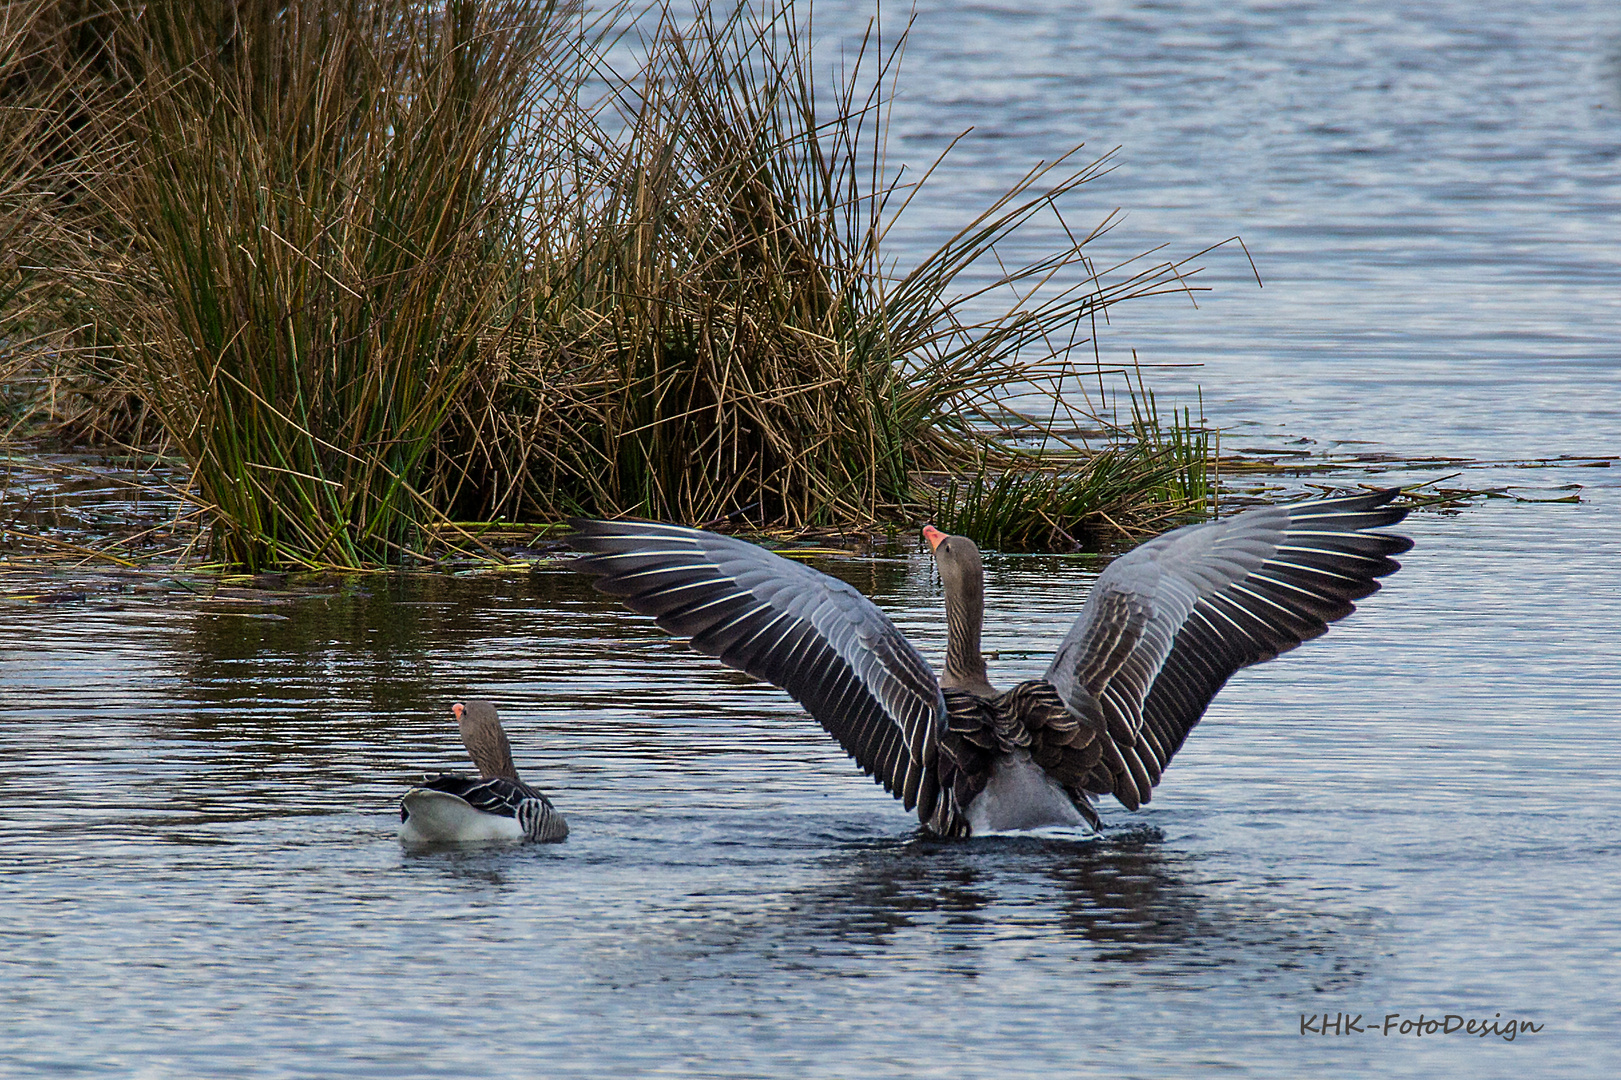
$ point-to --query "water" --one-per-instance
(1417, 813)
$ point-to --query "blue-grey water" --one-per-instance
(1418, 814)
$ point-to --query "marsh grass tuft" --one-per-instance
(378, 267)
(51, 83)
(324, 206)
(1150, 474)
(717, 336)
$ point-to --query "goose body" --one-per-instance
(1161, 631)
(446, 808)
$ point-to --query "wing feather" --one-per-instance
(810, 634)
(1169, 622)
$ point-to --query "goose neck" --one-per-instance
(965, 664)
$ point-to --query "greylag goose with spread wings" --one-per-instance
(495, 805)
(1164, 627)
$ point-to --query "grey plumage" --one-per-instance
(813, 635)
(1164, 627)
(1170, 621)
(529, 807)
(497, 792)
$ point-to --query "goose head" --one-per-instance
(484, 738)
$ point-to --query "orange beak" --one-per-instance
(933, 536)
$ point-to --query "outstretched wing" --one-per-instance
(811, 634)
(1169, 622)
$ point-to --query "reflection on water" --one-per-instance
(1127, 899)
(1115, 892)
(213, 800)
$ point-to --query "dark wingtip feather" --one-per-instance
(1326, 554)
(783, 622)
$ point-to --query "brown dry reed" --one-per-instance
(378, 266)
(325, 204)
(53, 86)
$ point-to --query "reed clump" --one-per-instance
(325, 212)
(716, 335)
(1151, 473)
(376, 267)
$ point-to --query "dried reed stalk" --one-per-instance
(716, 334)
(375, 265)
(324, 211)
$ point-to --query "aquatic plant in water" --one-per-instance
(717, 335)
(379, 267)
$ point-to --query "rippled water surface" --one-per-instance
(1419, 813)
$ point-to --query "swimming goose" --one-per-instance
(447, 808)
(1164, 627)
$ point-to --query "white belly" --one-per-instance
(437, 817)
(1021, 796)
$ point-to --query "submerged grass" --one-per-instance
(375, 267)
